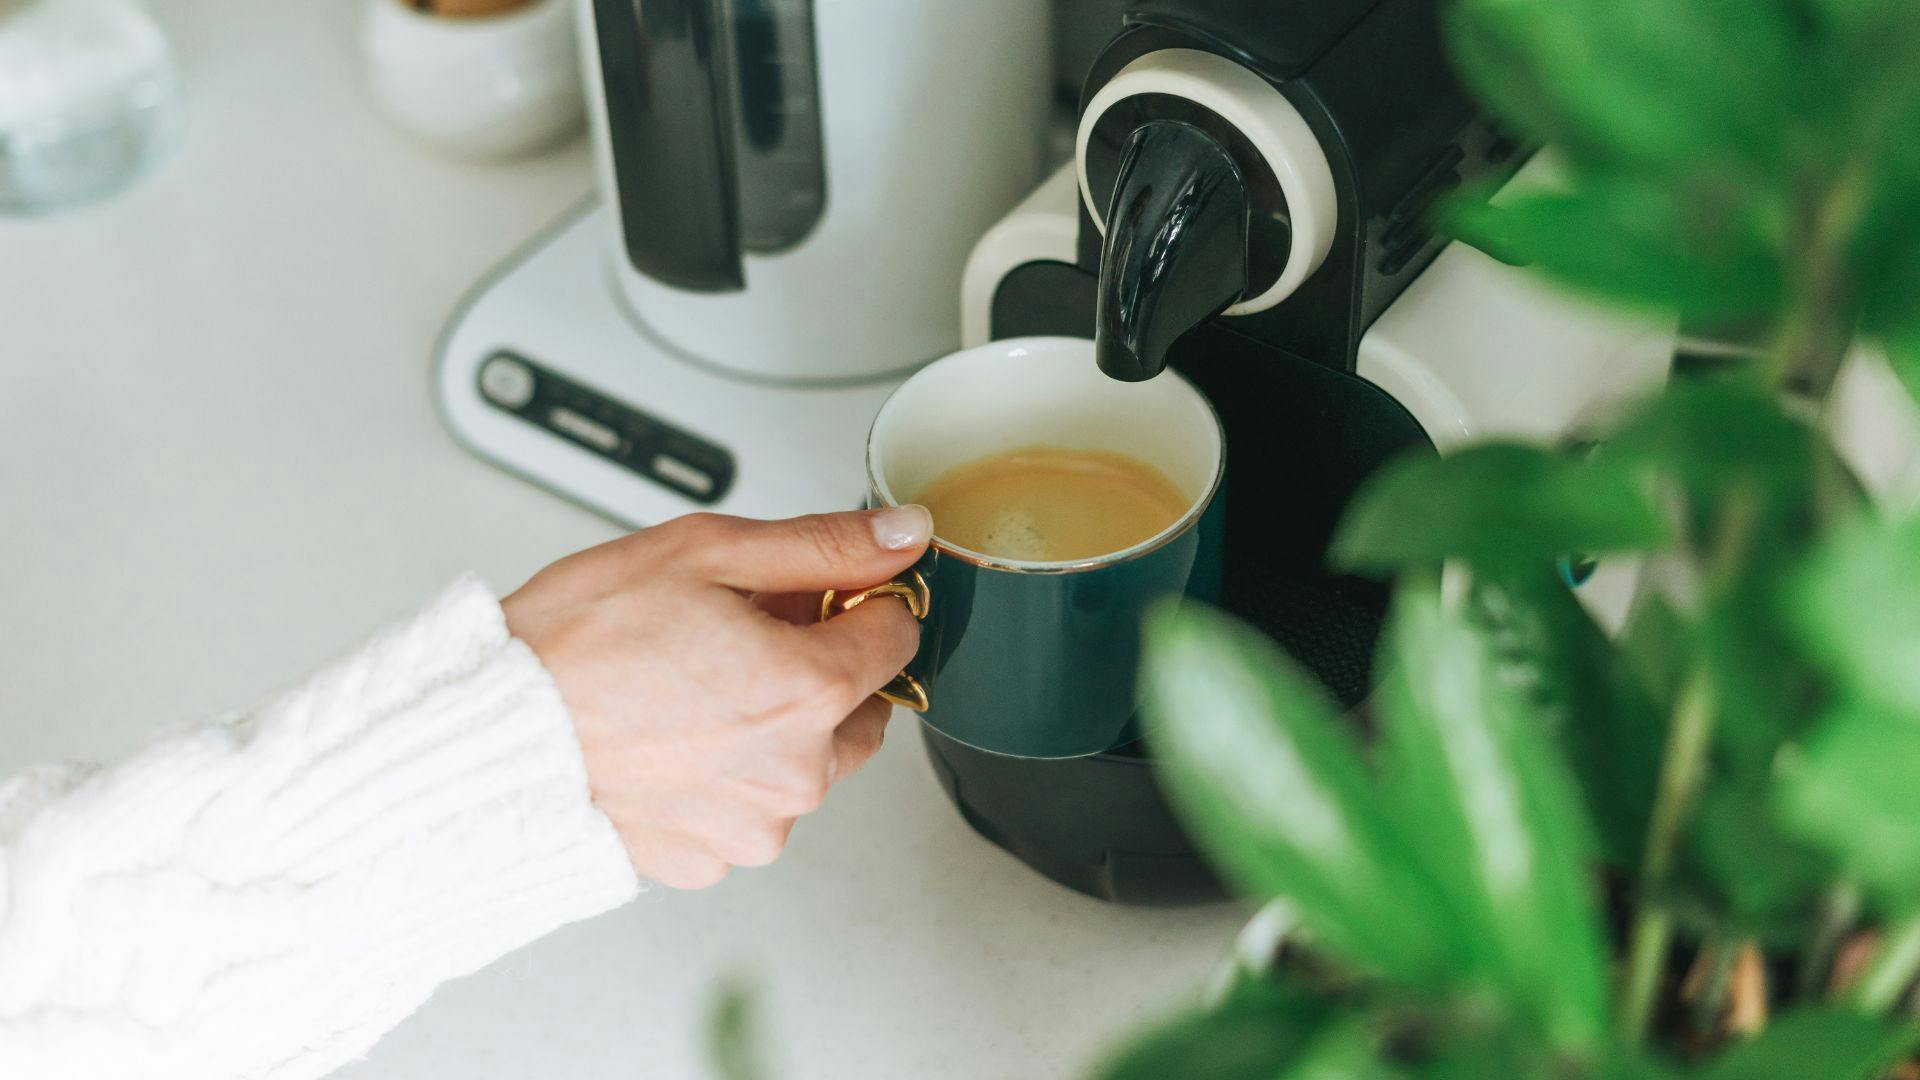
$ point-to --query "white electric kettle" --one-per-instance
(796, 183)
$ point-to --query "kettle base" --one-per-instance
(596, 408)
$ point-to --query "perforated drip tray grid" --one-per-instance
(1329, 625)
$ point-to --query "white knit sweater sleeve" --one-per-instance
(266, 895)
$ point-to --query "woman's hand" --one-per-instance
(712, 710)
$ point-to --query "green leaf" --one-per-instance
(1849, 18)
(1742, 873)
(1696, 170)
(1656, 646)
(1681, 143)
(1886, 260)
(1650, 82)
(731, 1043)
(1903, 355)
(1348, 1050)
(1631, 242)
(1269, 775)
(1826, 1042)
(1580, 689)
(1463, 1053)
(1711, 435)
(1494, 505)
(1765, 686)
(1477, 788)
(1857, 608)
(1631, 1063)
(1853, 789)
(1257, 1034)
(1873, 71)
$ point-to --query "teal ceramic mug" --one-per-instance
(1038, 659)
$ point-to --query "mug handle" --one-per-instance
(908, 585)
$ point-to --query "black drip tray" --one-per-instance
(1100, 824)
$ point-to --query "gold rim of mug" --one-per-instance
(1144, 548)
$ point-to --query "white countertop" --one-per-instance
(219, 466)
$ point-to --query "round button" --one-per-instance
(507, 382)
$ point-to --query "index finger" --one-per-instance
(815, 551)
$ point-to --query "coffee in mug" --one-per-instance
(1045, 504)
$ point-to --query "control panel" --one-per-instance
(667, 455)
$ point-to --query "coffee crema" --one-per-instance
(1043, 504)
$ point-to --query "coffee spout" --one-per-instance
(1175, 252)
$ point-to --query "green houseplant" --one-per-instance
(1688, 848)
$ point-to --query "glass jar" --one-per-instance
(89, 101)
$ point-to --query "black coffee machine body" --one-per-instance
(1249, 204)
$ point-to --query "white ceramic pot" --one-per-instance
(485, 86)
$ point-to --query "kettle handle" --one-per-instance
(664, 66)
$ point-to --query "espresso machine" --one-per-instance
(800, 201)
(1249, 203)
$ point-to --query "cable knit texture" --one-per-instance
(264, 896)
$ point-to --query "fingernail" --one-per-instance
(900, 527)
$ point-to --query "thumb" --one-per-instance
(819, 551)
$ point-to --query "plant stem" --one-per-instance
(1894, 967)
(1646, 960)
(1839, 910)
(1811, 339)
(1679, 776)
(1718, 954)
(1680, 772)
